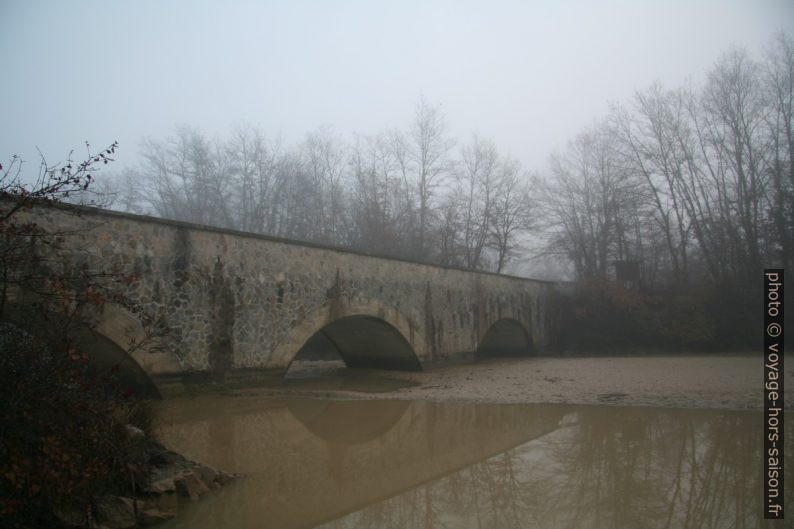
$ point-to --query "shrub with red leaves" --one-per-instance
(63, 438)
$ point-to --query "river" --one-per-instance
(348, 464)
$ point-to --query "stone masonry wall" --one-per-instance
(234, 300)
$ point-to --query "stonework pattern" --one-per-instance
(236, 301)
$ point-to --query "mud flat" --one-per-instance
(708, 381)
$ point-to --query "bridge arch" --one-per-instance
(505, 337)
(99, 339)
(122, 329)
(366, 334)
(107, 356)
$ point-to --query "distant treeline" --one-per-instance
(694, 182)
(690, 189)
(694, 188)
(404, 193)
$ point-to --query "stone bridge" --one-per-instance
(238, 302)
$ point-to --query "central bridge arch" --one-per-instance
(366, 341)
(365, 334)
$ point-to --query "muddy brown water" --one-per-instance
(415, 464)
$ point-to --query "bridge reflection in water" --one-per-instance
(400, 464)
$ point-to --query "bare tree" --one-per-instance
(428, 146)
(322, 158)
(450, 247)
(649, 148)
(584, 200)
(378, 205)
(512, 212)
(256, 180)
(734, 116)
(477, 178)
(778, 87)
(184, 177)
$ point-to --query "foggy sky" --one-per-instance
(529, 75)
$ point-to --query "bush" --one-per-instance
(604, 316)
(65, 437)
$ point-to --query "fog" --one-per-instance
(528, 75)
(551, 140)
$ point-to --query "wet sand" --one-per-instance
(707, 381)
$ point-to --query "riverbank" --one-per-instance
(703, 381)
(170, 483)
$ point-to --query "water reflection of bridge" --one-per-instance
(309, 461)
